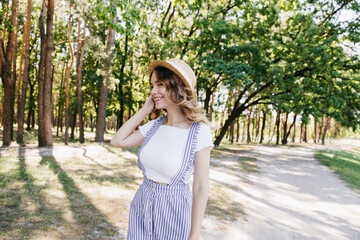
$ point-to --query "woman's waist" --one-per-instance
(161, 187)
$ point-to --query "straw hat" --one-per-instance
(177, 66)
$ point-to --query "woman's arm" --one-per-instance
(200, 190)
(125, 137)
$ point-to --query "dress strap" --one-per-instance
(189, 154)
(147, 138)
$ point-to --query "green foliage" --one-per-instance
(288, 55)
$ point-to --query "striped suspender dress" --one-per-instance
(163, 212)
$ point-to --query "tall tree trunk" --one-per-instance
(79, 64)
(321, 126)
(7, 58)
(232, 132)
(67, 77)
(244, 129)
(263, 126)
(305, 133)
(248, 139)
(212, 107)
(47, 118)
(73, 126)
(327, 127)
(60, 103)
(315, 131)
(207, 99)
(257, 125)
(270, 128)
(237, 129)
(277, 127)
(40, 77)
(291, 127)
(31, 113)
(284, 140)
(101, 116)
(21, 103)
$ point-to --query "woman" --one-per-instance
(172, 148)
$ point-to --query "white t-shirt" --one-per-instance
(163, 154)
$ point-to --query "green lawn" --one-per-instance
(344, 163)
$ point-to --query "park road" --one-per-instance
(292, 196)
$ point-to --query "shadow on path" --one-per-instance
(23, 206)
(90, 220)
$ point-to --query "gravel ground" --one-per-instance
(291, 197)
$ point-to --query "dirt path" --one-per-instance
(285, 194)
(291, 197)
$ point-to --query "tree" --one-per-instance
(40, 77)
(7, 57)
(101, 116)
(26, 49)
(47, 117)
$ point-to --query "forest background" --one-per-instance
(288, 69)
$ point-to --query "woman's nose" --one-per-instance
(153, 90)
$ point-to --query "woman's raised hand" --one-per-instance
(149, 104)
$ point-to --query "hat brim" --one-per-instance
(160, 63)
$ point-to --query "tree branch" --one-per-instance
(334, 12)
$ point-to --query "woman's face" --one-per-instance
(158, 90)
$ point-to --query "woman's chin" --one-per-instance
(157, 106)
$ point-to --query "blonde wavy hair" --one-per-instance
(181, 95)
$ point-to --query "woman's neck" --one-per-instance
(175, 116)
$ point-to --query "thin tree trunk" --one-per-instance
(244, 130)
(59, 120)
(73, 126)
(315, 131)
(26, 47)
(327, 127)
(31, 113)
(237, 129)
(47, 118)
(7, 57)
(232, 132)
(263, 126)
(270, 128)
(284, 140)
(66, 82)
(294, 129)
(305, 133)
(101, 116)
(79, 64)
(40, 77)
(211, 107)
(321, 127)
(277, 127)
(257, 125)
(248, 139)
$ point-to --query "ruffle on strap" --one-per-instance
(190, 160)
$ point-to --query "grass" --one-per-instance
(345, 163)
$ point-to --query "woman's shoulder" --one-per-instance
(204, 129)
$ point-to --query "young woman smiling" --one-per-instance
(174, 146)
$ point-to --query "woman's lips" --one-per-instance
(156, 99)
